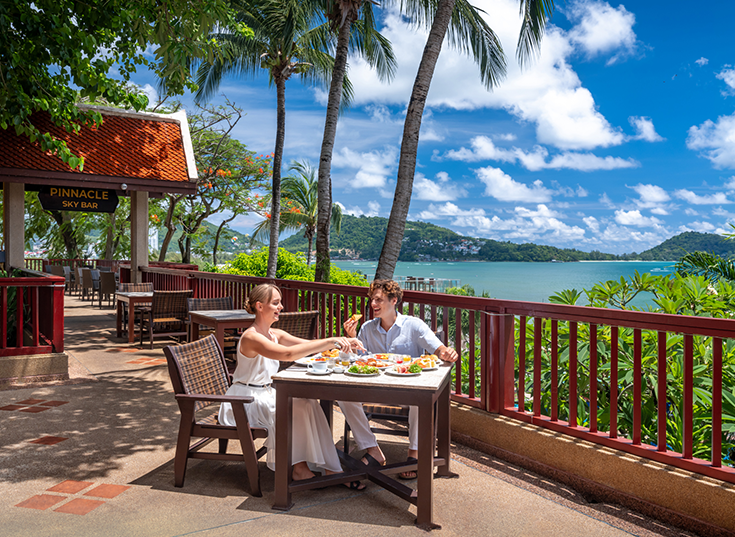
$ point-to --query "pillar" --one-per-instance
(138, 234)
(14, 224)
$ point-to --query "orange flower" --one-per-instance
(260, 170)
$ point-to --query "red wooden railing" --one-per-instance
(41, 264)
(497, 372)
(31, 314)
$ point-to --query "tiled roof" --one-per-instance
(125, 145)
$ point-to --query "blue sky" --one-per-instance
(620, 135)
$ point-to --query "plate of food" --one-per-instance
(306, 360)
(412, 370)
(373, 362)
(428, 362)
(362, 371)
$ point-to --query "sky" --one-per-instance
(619, 135)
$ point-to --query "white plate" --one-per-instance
(361, 375)
(312, 372)
(438, 364)
(397, 374)
(381, 364)
(306, 360)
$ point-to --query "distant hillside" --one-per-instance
(362, 238)
(691, 241)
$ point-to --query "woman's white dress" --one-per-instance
(312, 438)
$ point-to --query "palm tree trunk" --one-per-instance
(409, 144)
(308, 252)
(276, 189)
(324, 196)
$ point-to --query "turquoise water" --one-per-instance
(533, 282)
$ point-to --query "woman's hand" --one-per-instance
(350, 326)
(356, 345)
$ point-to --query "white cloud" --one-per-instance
(606, 201)
(440, 190)
(592, 223)
(695, 199)
(372, 210)
(716, 141)
(448, 210)
(645, 129)
(652, 197)
(373, 168)
(690, 212)
(702, 61)
(602, 29)
(632, 239)
(483, 148)
(702, 227)
(635, 218)
(502, 187)
(548, 93)
(727, 76)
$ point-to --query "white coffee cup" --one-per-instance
(317, 367)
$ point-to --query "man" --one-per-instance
(391, 332)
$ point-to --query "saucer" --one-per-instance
(327, 372)
(339, 369)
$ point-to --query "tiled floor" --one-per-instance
(48, 440)
(75, 505)
(33, 406)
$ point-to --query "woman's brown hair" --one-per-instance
(390, 288)
(263, 293)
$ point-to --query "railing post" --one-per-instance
(499, 330)
(58, 315)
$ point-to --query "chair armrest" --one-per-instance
(215, 398)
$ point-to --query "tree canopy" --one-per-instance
(55, 52)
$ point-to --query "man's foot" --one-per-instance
(410, 474)
(374, 457)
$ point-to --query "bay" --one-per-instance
(531, 282)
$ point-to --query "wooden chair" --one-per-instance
(199, 378)
(303, 324)
(108, 286)
(218, 303)
(167, 315)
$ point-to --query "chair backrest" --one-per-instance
(87, 278)
(198, 367)
(107, 283)
(206, 304)
(67, 270)
(170, 303)
(95, 274)
(136, 287)
(303, 324)
(56, 270)
(80, 277)
(105, 269)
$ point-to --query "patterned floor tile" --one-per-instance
(35, 409)
(12, 407)
(48, 440)
(79, 506)
(107, 491)
(70, 487)
(31, 401)
(41, 501)
(54, 403)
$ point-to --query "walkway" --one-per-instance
(94, 456)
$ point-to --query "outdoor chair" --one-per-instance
(70, 278)
(80, 279)
(167, 315)
(134, 288)
(218, 303)
(199, 378)
(303, 324)
(89, 283)
(391, 413)
(108, 286)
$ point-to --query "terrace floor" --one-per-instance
(94, 456)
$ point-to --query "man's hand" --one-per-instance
(446, 354)
(350, 327)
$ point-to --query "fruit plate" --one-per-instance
(395, 373)
(306, 360)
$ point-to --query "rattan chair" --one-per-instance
(199, 378)
(108, 286)
(167, 316)
(70, 278)
(303, 324)
(146, 287)
(89, 284)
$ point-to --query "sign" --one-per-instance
(91, 200)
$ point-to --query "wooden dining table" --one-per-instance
(429, 391)
(220, 320)
(131, 298)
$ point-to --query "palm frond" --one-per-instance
(706, 264)
(535, 14)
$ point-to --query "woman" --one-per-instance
(259, 352)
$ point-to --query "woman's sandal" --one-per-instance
(408, 473)
(355, 485)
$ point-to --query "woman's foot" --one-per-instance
(301, 471)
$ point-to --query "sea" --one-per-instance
(532, 282)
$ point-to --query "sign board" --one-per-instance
(91, 200)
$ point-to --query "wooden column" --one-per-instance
(138, 234)
(14, 224)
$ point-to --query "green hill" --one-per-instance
(362, 238)
(691, 241)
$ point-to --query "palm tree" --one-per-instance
(301, 193)
(365, 40)
(287, 40)
(469, 32)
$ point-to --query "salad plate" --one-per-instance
(362, 374)
(397, 374)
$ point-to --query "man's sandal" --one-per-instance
(369, 460)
